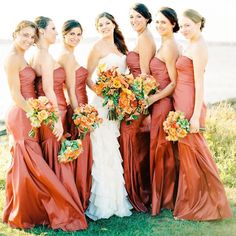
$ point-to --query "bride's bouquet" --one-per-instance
(86, 119)
(109, 85)
(176, 126)
(70, 150)
(42, 111)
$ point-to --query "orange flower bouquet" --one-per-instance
(176, 126)
(70, 150)
(109, 85)
(86, 119)
(42, 112)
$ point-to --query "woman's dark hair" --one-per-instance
(42, 22)
(118, 36)
(69, 25)
(143, 10)
(171, 15)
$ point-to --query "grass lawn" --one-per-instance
(138, 224)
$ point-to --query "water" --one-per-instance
(220, 75)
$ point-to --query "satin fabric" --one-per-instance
(201, 195)
(50, 146)
(83, 165)
(134, 147)
(162, 161)
(34, 195)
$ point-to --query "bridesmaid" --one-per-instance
(134, 143)
(51, 79)
(201, 195)
(76, 77)
(162, 66)
(34, 195)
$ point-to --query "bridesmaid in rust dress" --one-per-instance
(162, 66)
(76, 77)
(34, 195)
(134, 142)
(51, 79)
(201, 195)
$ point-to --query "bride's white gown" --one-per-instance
(108, 194)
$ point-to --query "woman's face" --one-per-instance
(163, 25)
(105, 27)
(50, 32)
(187, 27)
(25, 37)
(137, 21)
(73, 37)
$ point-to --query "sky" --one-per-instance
(220, 15)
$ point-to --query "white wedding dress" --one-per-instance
(108, 194)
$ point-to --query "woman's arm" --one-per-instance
(69, 64)
(169, 54)
(47, 70)
(199, 57)
(146, 50)
(12, 68)
(92, 63)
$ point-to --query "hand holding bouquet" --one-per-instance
(42, 111)
(176, 126)
(86, 119)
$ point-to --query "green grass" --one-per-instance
(221, 133)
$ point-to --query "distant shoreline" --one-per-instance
(92, 39)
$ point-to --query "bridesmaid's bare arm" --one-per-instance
(169, 55)
(12, 68)
(92, 63)
(146, 50)
(47, 70)
(199, 57)
(69, 64)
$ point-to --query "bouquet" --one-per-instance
(42, 112)
(70, 150)
(109, 85)
(176, 126)
(86, 119)
(139, 90)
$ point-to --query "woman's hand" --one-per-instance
(150, 100)
(58, 129)
(194, 125)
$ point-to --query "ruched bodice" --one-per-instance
(132, 60)
(59, 76)
(80, 85)
(159, 71)
(27, 77)
(185, 87)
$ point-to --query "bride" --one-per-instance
(108, 194)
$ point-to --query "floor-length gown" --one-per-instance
(83, 165)
(34, 195)
(162, 161)
(201, 195)
(50, 145)
(108, 195)
(134, 146)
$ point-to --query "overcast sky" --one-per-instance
(220, 15)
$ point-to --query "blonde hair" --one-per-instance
(24, 24)
(195, 16)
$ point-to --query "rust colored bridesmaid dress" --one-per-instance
(134, 147)
(50, 145)
(201, 195)
(34, 195)
(162, 161)
(83, 165)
